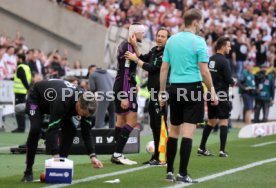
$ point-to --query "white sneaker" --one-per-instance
(130, 161)
(122, 160)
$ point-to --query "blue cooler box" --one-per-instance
(59, 170)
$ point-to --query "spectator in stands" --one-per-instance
(261, 50)
(77, 64)
(6, 41)
(20, 42)
(64, 66)
(54, 69)
(84, 83)
(2, 65)
(241, 51)
(38, 65)
(9, 60)
(31, 60)
(125, 5)
(43, 62)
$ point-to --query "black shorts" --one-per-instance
(132, 99)
(221, 111)
(189, 107)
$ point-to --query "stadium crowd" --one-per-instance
(251, 25)
(52, 65)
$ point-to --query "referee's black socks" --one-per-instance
(171, 152)
(206, 132)
(123, 137)
(185, 152)
(223, 137)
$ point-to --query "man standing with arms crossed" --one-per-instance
(186, 54)
(220, 71)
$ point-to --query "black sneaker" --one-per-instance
(155, 162)
(204, 152)
(28, 177)
(185, 179)
(115, 160)
(17, 131)
(223, 154)
(148, 162)
(170, 177)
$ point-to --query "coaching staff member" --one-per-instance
(186, 54)
(152, 62)
(222, 79)
(47, 97)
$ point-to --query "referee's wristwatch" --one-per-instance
(137, 60)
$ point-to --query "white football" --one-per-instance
(259, 132)
(150, 147)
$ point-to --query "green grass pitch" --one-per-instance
(240, 151)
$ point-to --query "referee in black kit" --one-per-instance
(68, 107)
(186, 54)
(222, 79)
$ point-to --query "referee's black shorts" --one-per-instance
(132, 99)
(186, 103)
(221, 111)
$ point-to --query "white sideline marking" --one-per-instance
(7, 148)
(91, 178)
(231, 171)
(263, 144)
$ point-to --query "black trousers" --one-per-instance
(36, 116)
(264, 105)
(155, 114)
(20, 118)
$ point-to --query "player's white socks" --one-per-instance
(117, 154)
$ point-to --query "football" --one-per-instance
(259, 132)
(150, 147)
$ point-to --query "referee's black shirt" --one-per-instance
(221, 72)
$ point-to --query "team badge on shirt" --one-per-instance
(32, 112)
(33, 108)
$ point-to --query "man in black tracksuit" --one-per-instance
(68, 107)
(221, 76)
(152, 62)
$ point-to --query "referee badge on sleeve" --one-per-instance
(212, 64)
